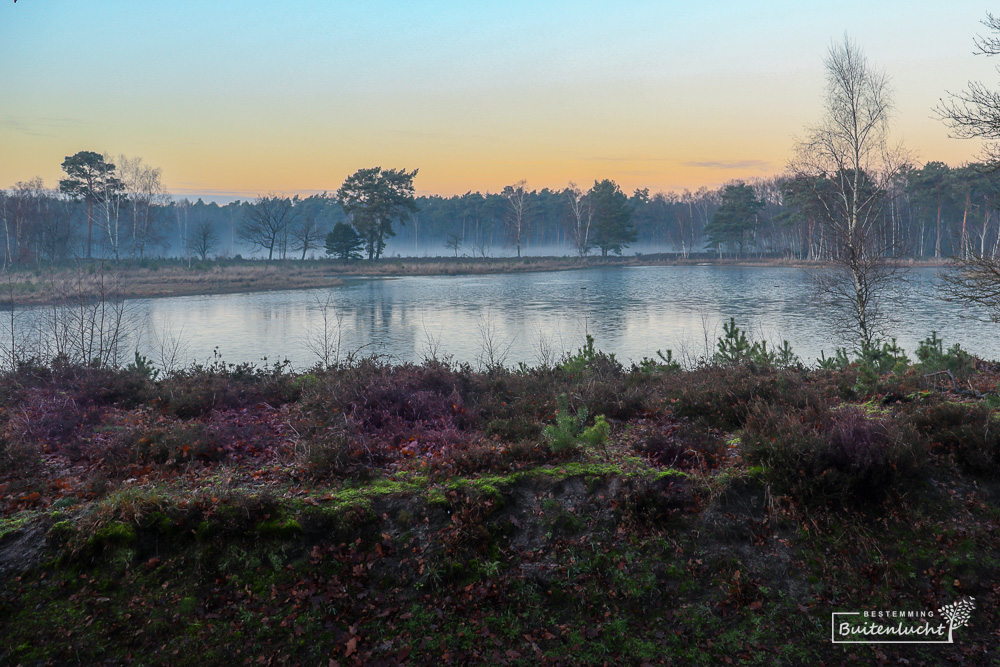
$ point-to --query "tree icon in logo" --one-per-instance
(957, 614)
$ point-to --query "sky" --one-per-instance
(234, 99)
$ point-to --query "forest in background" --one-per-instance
(933, 211)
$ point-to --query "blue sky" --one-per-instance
(239, 98)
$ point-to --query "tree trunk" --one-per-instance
(937, 239)
(986, 224)
(965, 215)
(90, 224)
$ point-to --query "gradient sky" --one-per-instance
(235, 99)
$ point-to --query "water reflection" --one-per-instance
(630, 311)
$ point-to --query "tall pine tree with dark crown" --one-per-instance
(613, 229)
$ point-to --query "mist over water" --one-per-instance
(436, 248)
(630, 311)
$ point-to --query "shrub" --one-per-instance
(589, 363)
(871, 363)
(603, 384)
(220, 386)
(884, 357)
(575, 364)
(721, 397)
(683, 445)
(968, 431)
(822, 456)
(514, 405)
(143, 367)
(17, 456)
(588, 359)
(337, 455)
(514, 429)
(178, 444)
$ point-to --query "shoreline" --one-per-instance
(168, 278)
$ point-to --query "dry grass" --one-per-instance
(156, 281)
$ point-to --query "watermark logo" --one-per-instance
(895, 626)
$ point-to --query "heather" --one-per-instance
(579, 512)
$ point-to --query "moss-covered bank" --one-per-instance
(574, 564)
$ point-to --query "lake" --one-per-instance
(631, 311)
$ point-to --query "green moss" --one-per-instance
(578, 469)
(436, 498)
(62, 529)
(279, 528)
(488, 486)
(360, 497)
(14, 522)
(115, 533)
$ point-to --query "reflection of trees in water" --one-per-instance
(384, 323)
(632, 313)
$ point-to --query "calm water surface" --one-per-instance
(630, 311)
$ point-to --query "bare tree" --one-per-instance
(91, 321)
(482, 249)
(975, 280)
(517, 212)
(266, 221)
(305, 234)
(494, 347)
(11, 332)
(324, 338)
(55, 233)
(582, 216)
(850, 163)
(169, 348)
(453, 242)
(202, 240)
(975, 113)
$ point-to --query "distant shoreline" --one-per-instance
(171, 277)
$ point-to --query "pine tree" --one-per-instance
(344, 242)
(613, 229)
(735, 222)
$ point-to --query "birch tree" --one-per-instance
(852, 163)
(146, 198)
(517, 197)
(582, 217)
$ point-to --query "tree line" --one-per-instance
(118, 208)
